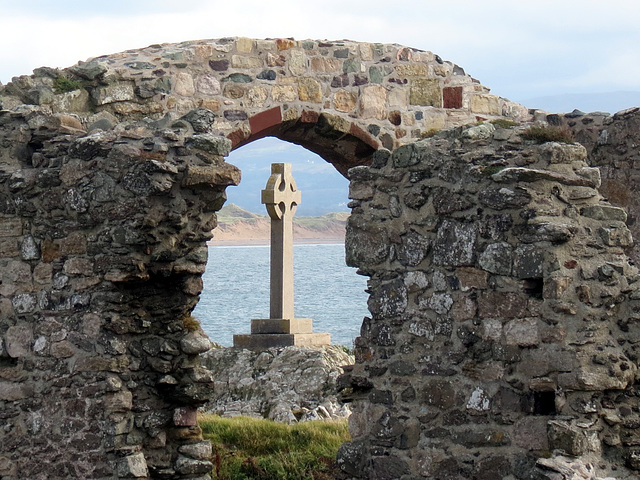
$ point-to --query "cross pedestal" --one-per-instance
(281, 197)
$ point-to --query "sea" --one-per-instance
(236, 289)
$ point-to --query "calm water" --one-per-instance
(236, 289)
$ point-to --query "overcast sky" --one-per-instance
(520, 49)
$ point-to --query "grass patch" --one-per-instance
(64, 85)
(248, 448)
(504, 123)
(191, 323)
(429, 133)
(548, 133)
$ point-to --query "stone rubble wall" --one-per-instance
(612, 146)
(357, 97)
(102, 246)
(504, 312)
(287, 385)
(504, 309)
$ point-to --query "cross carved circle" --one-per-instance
(281, 195)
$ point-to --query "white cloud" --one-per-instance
(516, 48)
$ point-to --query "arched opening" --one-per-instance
(326, 290)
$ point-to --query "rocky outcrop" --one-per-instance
(283, 384)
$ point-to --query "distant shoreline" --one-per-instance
(252, 242)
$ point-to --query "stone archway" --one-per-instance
(340, 99)
(111, 172)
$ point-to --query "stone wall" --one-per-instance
(102, 247)
(503, 314)
(612, 145)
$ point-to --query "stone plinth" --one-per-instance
(281, 325)
(264, 341)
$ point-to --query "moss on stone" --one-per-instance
(64, 85)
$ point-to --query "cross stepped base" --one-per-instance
(281, 325)
(263, 341)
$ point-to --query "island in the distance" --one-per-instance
(237, 226)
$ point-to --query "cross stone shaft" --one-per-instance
(281, 198)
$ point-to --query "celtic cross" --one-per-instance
(281, 198)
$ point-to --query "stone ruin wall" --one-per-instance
(102, 242)
(479, 358)
(504, 314)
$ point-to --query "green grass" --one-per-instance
(249, 448)
(64, 85)
(504, 123)
(548, 133)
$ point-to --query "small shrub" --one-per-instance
(347, 350)
(504, 123)
(429, 133)
(64, 85)
(191, 323)
(548, 133)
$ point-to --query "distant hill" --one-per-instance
(610, 102)
(237, 226)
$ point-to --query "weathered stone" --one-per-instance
(63, 349)
(616, 236)
(297, 63)
(572, 439)
(195, 343)
(89, 70)
(11, 392)
(365, 246)
(133, 466)
(208, 85)
(373, 102)
(345, 101)
(501, 295)
(521, 174)
(284, 93)
(184, 85)
(309, 90)
(439, 393)
(198, 451)
(114, 93)
(497, 258)
(211, 143)
(245, 62)
(185, 417)
(426, 91)
(29, 249)
(18, 340)
(119, 402)
(502, 304)
(455, 244)
(324, 64)
(522, 332)
(486, 104)
(527, 261)
(413, 249)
